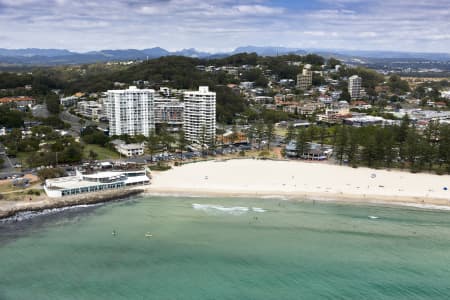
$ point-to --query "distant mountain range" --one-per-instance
(49, 57)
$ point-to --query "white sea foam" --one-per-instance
(235, 210)
(422, 206)
(258, 209)
(219, 208)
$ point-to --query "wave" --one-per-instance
(422, 206)
(235, 210)
(26, 215)
(258, 209)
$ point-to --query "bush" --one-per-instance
(264, 153)
(48, 173)
(160, 167)
(34, 192)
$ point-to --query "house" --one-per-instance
(21, 101)
(263, 99)
(129, 150)
(229, 138)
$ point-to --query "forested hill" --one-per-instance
(172, 71)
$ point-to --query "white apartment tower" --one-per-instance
(130, 111)
(354, 86)
(304, 80)
(200, 115)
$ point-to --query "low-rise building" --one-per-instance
(263, 99)
(312, 151)
(364, 121)
(91, 109)
(89, 183)
(20, 101)
(130, 150)
(68, 101)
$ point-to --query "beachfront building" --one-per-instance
(312, 151)
(354, 86)
(200, 116)
(304, 80)
(130, 111)
(89, 183)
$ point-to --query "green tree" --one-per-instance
(290, 133)
(153, 144)
(341, 143)
(301, 142)
(333, 62)
(259, 131)
(182, 142)
(53, 105)
(352, 149)
(270, 134)
(93, 155)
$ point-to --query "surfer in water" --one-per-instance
(114, 232)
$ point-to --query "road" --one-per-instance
(74, 122)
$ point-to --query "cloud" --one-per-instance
(220, 25)
(258, 10)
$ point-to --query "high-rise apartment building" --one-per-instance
(304, 80)
(200, 115)
(130, 111)
(354, 86)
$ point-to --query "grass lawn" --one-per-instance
(103, 153)
(280, 131)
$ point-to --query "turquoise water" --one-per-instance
(275, 250)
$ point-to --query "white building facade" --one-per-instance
(200, 115)
(354, 86)
(130, 111)
(130, 150)
(89, 183)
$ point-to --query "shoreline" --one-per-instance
(430, 203)
(50, 203)
(296, 180)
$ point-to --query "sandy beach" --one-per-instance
(302, 180)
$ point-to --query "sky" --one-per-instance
(222, 25)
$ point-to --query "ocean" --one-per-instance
(156, 247)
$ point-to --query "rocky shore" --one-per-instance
(9, 209)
